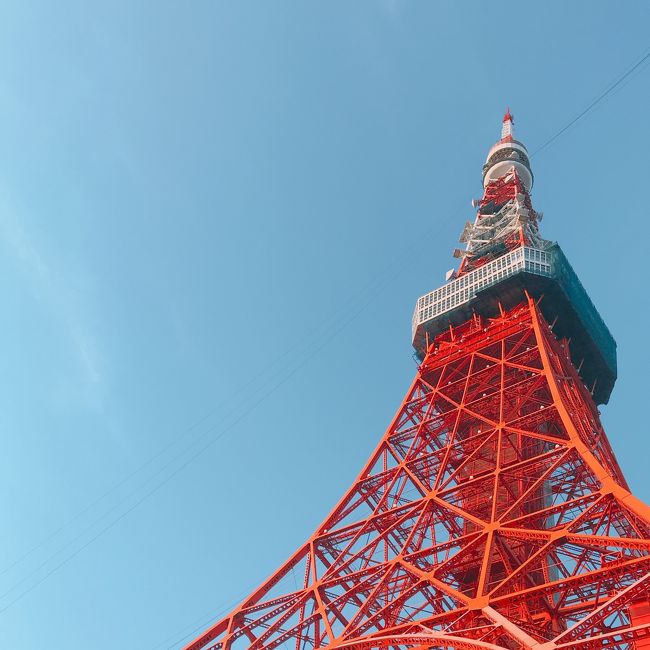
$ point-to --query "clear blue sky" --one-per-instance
(219, 215)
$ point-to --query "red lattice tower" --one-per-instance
(493, 513)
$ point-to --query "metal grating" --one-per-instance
(463, 289)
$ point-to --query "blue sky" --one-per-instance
(215, 219)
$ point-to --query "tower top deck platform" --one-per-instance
(544, 274)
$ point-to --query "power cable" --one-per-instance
(175, 441)
(194, 456)
(582, 114)
(201, 622)
(595, 102)
(315, 350)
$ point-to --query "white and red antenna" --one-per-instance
(507, 129)
(505, 219)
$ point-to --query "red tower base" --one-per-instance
(492, 515)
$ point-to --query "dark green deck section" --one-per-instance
(563, 300)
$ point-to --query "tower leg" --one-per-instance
(492, 515)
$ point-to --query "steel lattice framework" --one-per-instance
(506, 220)
(492, 515)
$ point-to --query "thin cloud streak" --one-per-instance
(49, 286)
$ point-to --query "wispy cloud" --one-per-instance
(393, 7)
(48, 284)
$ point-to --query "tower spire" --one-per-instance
(505, 216)
(507, 131)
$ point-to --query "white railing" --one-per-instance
(463, 289)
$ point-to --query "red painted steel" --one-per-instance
(492, 514)
(496, 195)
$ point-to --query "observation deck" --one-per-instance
(505, 280)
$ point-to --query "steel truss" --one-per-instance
(505, 220)
(492, 515)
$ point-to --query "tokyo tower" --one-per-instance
(492, 514)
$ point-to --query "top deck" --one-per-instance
(505, 281)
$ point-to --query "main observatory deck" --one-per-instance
(505, 281)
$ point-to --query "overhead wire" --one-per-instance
(616, 84)
(251, 406)
(645, 57)
(310, 353)
(199, 623)
(299, 345)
